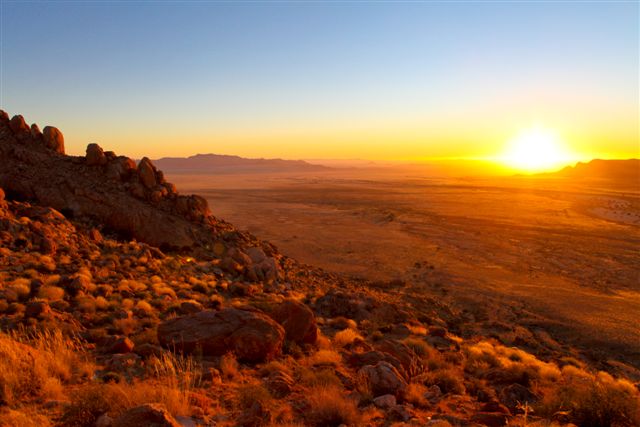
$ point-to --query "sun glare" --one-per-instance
(536, 150)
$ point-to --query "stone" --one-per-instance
(385, 401)
(19, 126)
(298, 322)
(121, 345)
(251, 335)
(149, 415)
(36, 133)
(384, 379)
(119, 168)
(95, 155)
(37, 309)
(53, 139)
(147, 173)
(515, 394)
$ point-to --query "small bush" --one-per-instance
(329, 407)
(598, 401)
(345, 337)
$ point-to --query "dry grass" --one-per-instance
(329, 407)
(593, 400)
(508, 364)
(36, 367)
(324, 358)
(345, 337)
(23, 418)
(171, 383)
(229, 366)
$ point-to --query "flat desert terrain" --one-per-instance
(559, 254)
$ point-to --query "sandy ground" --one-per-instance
(568, 251)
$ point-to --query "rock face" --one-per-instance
(150, 415)
(53, 139)
(384, 379)
(134, 201)
(298, 321)
(252, 336)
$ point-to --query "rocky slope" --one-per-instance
(101, 329)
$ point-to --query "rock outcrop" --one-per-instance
(133, 200)
(298, 321)
(252, 336)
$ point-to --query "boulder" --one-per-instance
(53, 139)
(251, 335)
(19, 126)
(95, 155)
(149, 415)
(298, 322)
(121, 345)
(120, 168)
(36, 133)
(516, 394)
(384, 379)
(147, 173)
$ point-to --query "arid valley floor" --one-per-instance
(562, 253)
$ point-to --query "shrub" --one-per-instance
(51, 293)
(345, 337)
(329, 407)
(593, 401)
(449, 381)
(325, 358)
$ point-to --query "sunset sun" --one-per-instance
(535, 150)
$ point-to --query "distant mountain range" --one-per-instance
(218, 163)
(618, 170)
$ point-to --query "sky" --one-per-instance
(406, 81)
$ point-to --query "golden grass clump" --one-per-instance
(229, 366)
(592, 400)
(324, 358)
(329, 407)
(512, 364)
(23, 418)
(345, 337)
(36, 367)
(51, 293)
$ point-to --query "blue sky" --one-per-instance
(321, 79)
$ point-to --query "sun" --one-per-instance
(536, 150)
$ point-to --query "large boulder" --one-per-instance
(298, 321)
(53, 139)
(149, 415)
(384, 379)
(95, 155)
(252, 336)
(19, 126)
(147, 173)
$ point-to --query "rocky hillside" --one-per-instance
(124, 303)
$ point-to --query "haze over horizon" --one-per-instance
(377, 81)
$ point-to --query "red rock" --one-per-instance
(37, 309)
(95, 155)
(147, 173)
(384, 379)
(121, 345)
(149, 415)
(53, 139)
(298, 321)
(19, 126)
(36, 133)
(251, 335)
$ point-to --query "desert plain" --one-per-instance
(547, 252)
